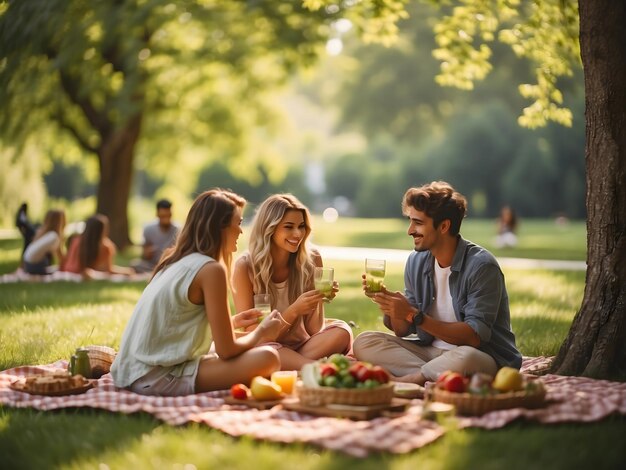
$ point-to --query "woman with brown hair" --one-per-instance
(165, 349)
(93, 251)
(46, 245)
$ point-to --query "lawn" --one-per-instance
(537, 238)
(40, 323)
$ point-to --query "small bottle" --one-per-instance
(82, 365)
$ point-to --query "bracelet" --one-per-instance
(283, 320)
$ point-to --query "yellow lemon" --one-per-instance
(263, 389)
(508, 379)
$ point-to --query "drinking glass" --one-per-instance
(324, 281)
(262, 303)
(286, 379)
(374, 274)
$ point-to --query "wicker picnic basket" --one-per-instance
(100, 359)
(475, 405)
(321, 396)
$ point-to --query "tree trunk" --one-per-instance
(595, 345)
(116, 171)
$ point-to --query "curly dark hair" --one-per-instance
(439, 201)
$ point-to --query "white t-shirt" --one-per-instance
(38, 249)
(442, 308)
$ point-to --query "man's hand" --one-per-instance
(394, 304)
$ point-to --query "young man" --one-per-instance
(157, 236)
(454, 314)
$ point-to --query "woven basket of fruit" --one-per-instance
(482, 393)
(337, 380)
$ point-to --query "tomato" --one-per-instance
(239, 392)
(328, 369)
(355, 368)
(380, 375)
(365, 373)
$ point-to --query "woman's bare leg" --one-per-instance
(220, 374)
(331, 341)
(292, 360)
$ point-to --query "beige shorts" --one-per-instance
(161, 381)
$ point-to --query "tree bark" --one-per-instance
(595, 345)
(116, 155)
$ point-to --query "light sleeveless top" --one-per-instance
(165, 329)
(296, 335)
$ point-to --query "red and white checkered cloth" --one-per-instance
(569, 399)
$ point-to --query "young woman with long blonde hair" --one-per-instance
(279, 263)
(165, 349)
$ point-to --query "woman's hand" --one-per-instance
(270, 327)
(307, 302)
(333, 293)
(246, 319)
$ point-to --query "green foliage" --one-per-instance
(193, 73)
(545, 33)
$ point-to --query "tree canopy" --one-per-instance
(172, 81)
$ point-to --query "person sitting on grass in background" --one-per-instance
(26, 227)
(157, 236)
(507, 228)
(46, 244)
(279, 263)
(455, 302)
(92, 253)
(165, 346)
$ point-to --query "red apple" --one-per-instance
(442, 378)
(454, 382)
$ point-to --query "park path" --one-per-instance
(354, 253)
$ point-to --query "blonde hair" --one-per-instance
(301, 267)
(211, 212)
(54, 221)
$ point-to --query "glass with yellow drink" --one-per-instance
(262, 303)
(286, 379)
(324, 278)
(374, 274)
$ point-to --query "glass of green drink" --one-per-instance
(324, 278)
(262, 303)
(374, 274)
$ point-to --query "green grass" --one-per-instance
(539, 239)
(41, 323)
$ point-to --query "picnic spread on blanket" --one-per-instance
(399, 425)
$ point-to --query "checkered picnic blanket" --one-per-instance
(569, 399)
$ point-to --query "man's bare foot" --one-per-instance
(416, 378)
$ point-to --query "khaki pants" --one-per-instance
(402, 357)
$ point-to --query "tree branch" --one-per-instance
(64, 124)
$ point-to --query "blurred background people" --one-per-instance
(26, 227)
(46, 245)
(507, 228)
(93, 252)
(157, 237)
